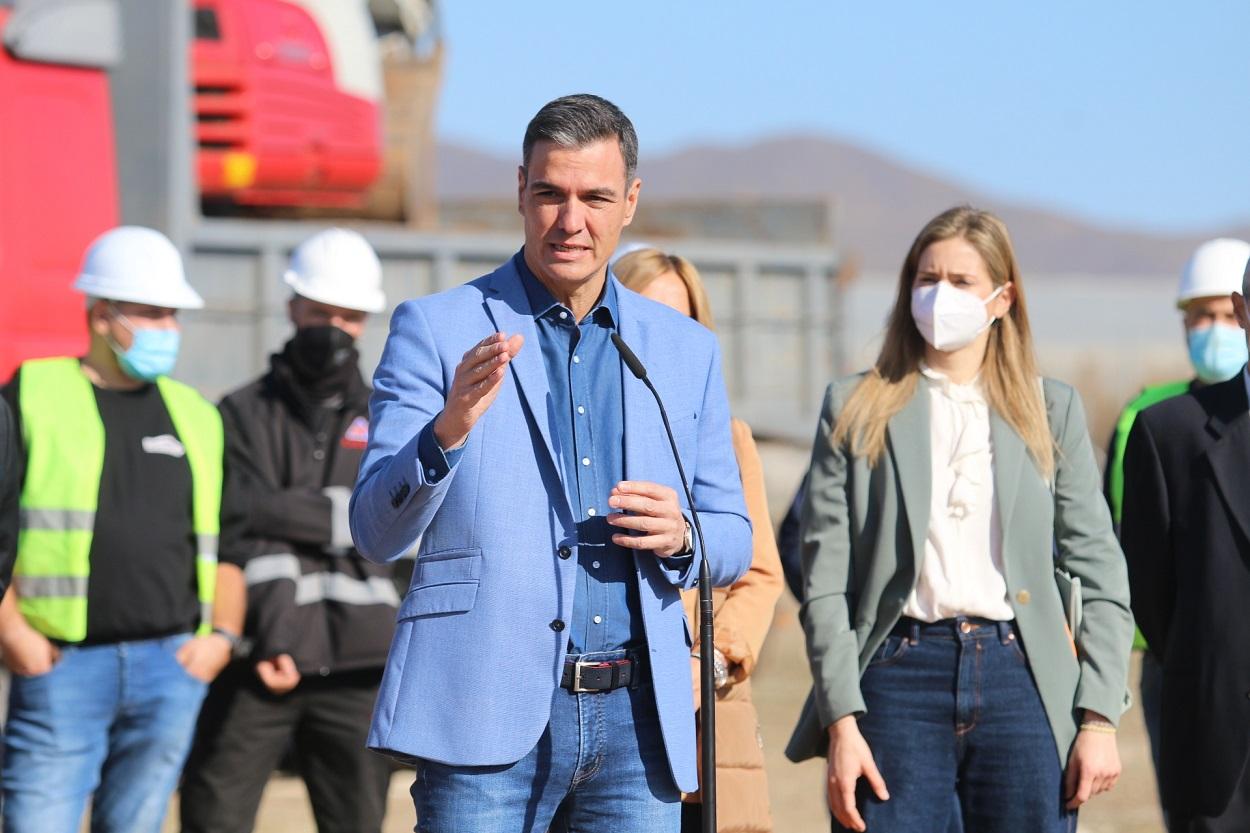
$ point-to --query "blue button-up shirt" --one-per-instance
(584, 375)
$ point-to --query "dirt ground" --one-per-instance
(780, 686)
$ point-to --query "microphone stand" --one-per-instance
(707, 672)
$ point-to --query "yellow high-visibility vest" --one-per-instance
(64, 440)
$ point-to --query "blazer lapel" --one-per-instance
(908, 434)
(1230, 453)
(1009, 456)
(509, 308)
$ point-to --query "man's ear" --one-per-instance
(520, 189)
(1239, 309)
(97, 317)
(631, 200)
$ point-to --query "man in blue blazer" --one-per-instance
(539, 675)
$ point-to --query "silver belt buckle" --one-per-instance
(577, 678)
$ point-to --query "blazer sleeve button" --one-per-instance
(557, 625)
(564, 552)
(1023, 597)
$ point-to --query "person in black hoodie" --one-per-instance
(320, 617)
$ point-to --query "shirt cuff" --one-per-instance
(435, 462)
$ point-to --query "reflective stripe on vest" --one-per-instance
(322, 586)
(63, 434)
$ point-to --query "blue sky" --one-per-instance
(1133, 114)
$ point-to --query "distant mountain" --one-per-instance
(881, 203)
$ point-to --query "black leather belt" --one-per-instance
(581, 676)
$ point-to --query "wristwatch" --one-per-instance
(233, 638)
(687, 544)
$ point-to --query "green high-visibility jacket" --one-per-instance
(1114, 480)
(1119, 441)
(64, 439)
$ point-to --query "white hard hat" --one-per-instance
(337, 267)
(1215, 268)
(136, 264)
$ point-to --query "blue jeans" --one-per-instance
(114, 720)
(953, 710)
(599, 765)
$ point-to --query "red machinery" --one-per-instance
(59, 192)
(275, 125)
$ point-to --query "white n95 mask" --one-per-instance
(947, 317)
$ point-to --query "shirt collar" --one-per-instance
(970, 391)
(543, 305)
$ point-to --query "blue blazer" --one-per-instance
(475, 660)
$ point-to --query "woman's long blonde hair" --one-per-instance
(638, 269)
(1009, 374)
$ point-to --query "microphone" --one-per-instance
(707, 673)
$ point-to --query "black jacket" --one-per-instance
(1186, 534)
(309, 595)
(10, 487)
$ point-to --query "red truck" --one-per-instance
(287, 101)
(287, 112)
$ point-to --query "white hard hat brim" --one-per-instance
(372, 301)
(173, 296)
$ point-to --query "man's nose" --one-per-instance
(572, 216)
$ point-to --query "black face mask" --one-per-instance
(320, 356)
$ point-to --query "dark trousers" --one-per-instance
(244, 731)
(1234, 819)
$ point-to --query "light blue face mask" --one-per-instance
(1217, 352)
(152, 352)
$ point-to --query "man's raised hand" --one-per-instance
(474, 387)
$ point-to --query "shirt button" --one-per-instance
(591, 511)
(564, 552)
(319, 454)
(595, 564)
(557, 625)
(430, 472)
(577, 360)
(323, 671)
(563, 314)
(585, 461)
(1023, 597)
(580, 409)
(598, 620)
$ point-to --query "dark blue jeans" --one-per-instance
(953, 710)
(600, 765)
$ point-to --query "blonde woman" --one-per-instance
(744, 611)
(947, 485)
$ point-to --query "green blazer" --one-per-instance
(863, 534)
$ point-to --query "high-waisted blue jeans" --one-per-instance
(953, 710)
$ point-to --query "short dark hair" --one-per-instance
(574, 121)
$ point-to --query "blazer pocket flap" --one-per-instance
(443, 582)
(454, 597)
(448, 566)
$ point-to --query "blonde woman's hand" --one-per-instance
(849, 760)
(1093, 764)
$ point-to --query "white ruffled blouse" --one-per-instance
(961, 572)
